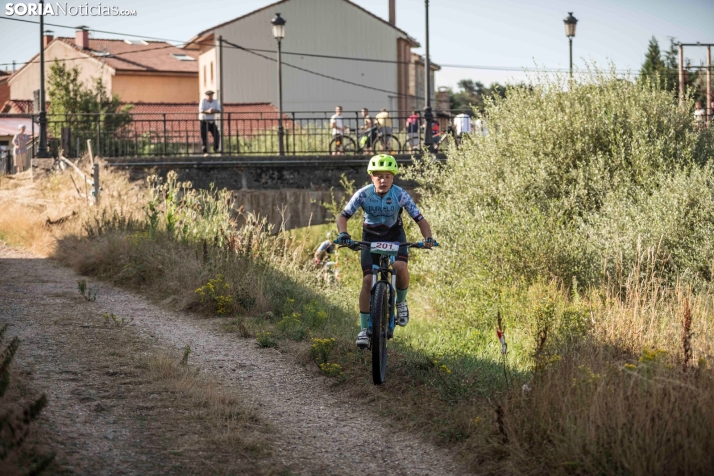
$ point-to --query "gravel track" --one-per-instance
(318, 431)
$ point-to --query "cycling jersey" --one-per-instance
(382, 213)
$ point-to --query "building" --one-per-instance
(135, 70)
(4, 87)
(323, 38)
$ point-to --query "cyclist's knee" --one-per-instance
(367, 281)
(400, 267)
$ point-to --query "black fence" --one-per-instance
(239, 133)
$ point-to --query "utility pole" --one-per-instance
(42, 152)
(709, 83)
(428, 115)
(220, 87)
(681, 74)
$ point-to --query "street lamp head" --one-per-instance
(570, 23)
(278, 26)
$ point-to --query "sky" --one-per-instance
(514, 34)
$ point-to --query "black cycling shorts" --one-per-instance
(396, 233)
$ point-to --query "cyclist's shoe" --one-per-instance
(402, 313)
(362, 339)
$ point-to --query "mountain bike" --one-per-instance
(382, 302)
(381, 143)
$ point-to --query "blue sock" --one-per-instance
(402, 295)
(364, 320)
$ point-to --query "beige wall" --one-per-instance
(206, 61)
(154, 88)
(331, 27)
(28, 79)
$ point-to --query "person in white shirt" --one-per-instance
(462, 124)
(19, 143)
(700, 114)
(207, 111)
(338, 129)
(479, 125)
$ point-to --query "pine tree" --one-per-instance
(653, 65)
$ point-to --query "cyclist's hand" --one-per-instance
(428, 242)
(317, 260)
(343, 238)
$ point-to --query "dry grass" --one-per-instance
(23, 227)
(625, 398)
(38, 212)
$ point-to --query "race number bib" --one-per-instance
(385, 248)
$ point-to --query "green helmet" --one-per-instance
(383, 163)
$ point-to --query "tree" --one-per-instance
(654, 66)
(473, 94)
(663, 67)
(88, 110)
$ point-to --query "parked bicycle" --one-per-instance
(372, 138)
(382, 302)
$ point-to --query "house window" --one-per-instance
(182, 57)
(211, 72)
(204, 74)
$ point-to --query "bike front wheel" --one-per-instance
(379, 314)
(342, 145)
(388, 145)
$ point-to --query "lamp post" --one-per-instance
(570, 23)
(428, 115)
(42, 152)
(279, 33)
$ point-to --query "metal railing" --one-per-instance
(240, 133)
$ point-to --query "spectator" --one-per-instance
(385, 126)
(368, 135)
(338, 129)
(368, 122)
(479, 125)
(19, 143)
(413, 131)
(207, 111)
(700, 114)
(462, 124)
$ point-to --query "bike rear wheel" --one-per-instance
(388, 145)
(343, 144)
(380, 325)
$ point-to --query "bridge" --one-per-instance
(288, 187)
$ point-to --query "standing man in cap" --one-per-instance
(207, 111)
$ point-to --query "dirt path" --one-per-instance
(315, 430)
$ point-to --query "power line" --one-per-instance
(257, 52)
(325, 75)
(312, 55)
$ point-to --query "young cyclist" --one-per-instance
(382, 202)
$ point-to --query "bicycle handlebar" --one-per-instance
(417, 244)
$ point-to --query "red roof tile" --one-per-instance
(153, 56)
(16, 106)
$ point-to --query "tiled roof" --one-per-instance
(16, 106)
(154, 56)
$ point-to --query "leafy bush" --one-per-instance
(576, 180)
